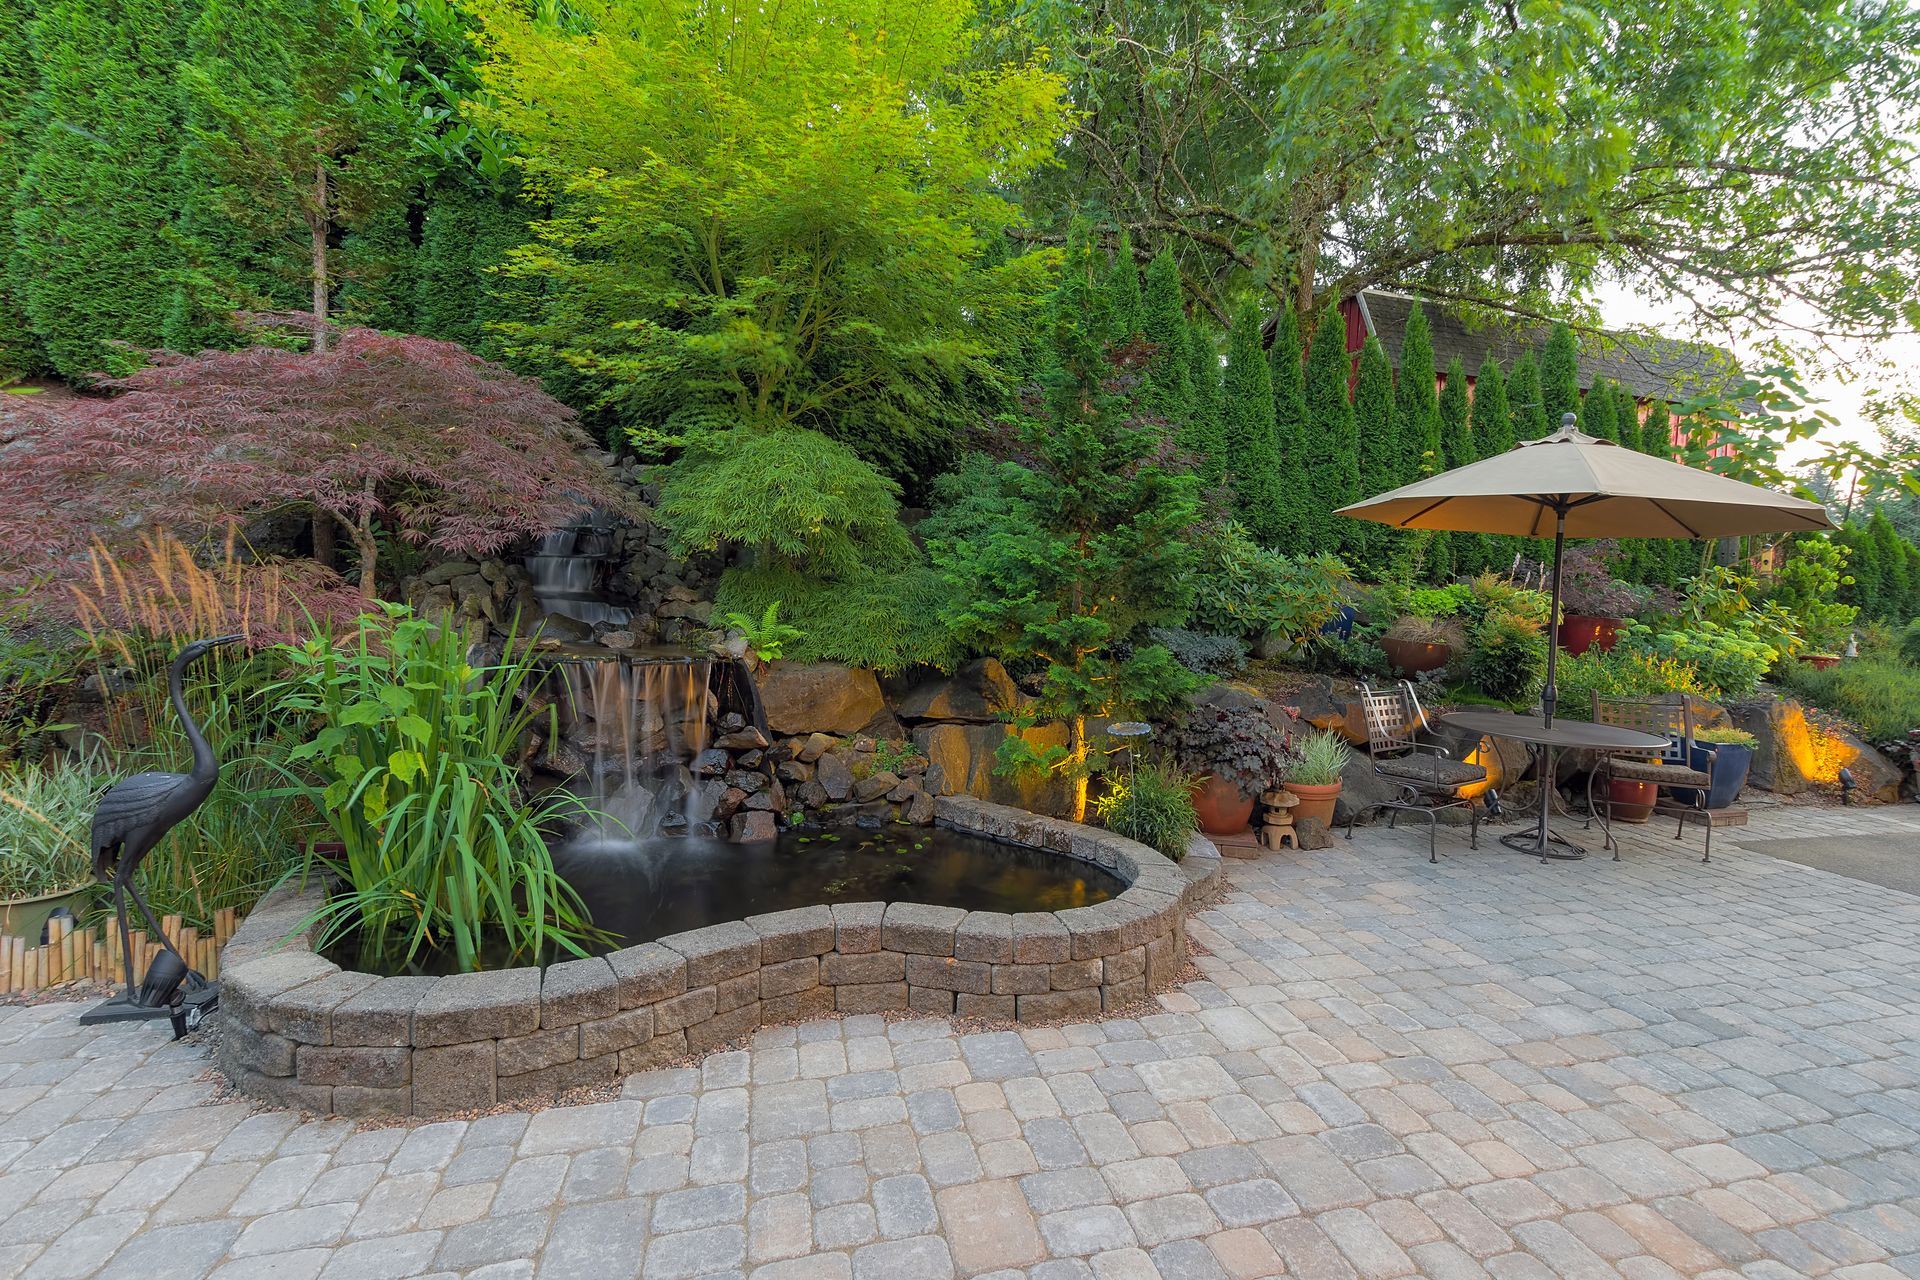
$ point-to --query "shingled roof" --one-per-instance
(1649, 367)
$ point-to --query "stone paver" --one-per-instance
(1487, 1067)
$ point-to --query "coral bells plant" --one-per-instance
(401, 437)
(1238, 745)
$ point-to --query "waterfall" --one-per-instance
(565, 568)
(644, 724)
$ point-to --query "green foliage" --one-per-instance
(1466, 551)
(1730, 660)
(412, 763)
(766, 636)
(1416, 404)
(1439, 602)
(791, 496)
(1242, 589)
(38, 665)
(1252, 441)
(1377, 445)
(771, 216)
(90, 262)
(19, 346)
(885, 619)
(1320, 758)
(1507, 657)
(1204, 652)
(457, 288)
(1169, 383)
(46, 811)
(1154, 805)
(1491, 419)
(1626, 671)
(1204, 434)
(1807, 586)
(1526, 398)
(1882, 697)
(1120, 302)
(1597, 414)
(1559, 377)
(1237, 744)
(1325, 471)
(1910, 643)
(1300, 511)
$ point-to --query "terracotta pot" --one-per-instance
(1411, 657)
(1315, 802)
(1819, 661)
(1219, 807)
(1630, 801)
(25, 917)
(1580, 632)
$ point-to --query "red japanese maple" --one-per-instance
(418, 437)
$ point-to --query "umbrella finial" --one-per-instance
(1567, 420)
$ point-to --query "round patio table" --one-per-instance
(1542, 741)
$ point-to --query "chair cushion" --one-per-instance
(1671, 775)
(1432, 771)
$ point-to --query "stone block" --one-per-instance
(1124, 966)
(717, 952)
(559, 1078)
(623, 1030)
(1107, 927)
(944, 973)
(455, 1077)
(870, 997)
(465, 1007)
(574, 991)
(788, 935)
(683, 1011)
(283, 1091)
(1074, 975)
(358, 1102)
(734, 992)
(661, 1051)
(985, 935)
(364, 1068)
(247, 989)
(815, 1002)
(380, 1016)
(998, 1008)
(260, 1052)
(1163, 962)
(517, 1055)
(929, 1000)
(1118, 995)
(873, 966)
(856, 926)
(1084, 1003)
(920, 929)
(304, 1013)
(722, 1028)
(648, 973)
(1040, 938)
(790, 977)
(1022, 979)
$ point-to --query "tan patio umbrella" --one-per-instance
(1572, 485)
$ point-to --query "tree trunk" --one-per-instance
(1078, 763)
(326, 539)
(317, 228)
(369, 549)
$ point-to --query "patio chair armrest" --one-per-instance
(1433, 748)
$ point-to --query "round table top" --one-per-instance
(1563, 733)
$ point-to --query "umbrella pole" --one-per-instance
(1550, 694)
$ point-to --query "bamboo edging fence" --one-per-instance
(73, 955)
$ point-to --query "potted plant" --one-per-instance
(45, 865)
(1593, 603)
(1314, 775)
(1631, 801)
(1416, 644)
(1731, 752)
(1237, 753)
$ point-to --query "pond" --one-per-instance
(641, 892)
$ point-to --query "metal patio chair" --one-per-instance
(1428, 777)
(1671, 718)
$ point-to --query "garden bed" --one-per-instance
(301, 1031)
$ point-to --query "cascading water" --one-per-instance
(565, 568)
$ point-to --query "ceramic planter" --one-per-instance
(1819, 661)
(1315, 802)
(1630, 801)
(1413, 657)
(25, 917)
(1219, 807)
(1580, 632)
(1731, 762)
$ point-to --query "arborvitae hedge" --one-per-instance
(1378, 446)
(1299, 508)
(1596, 415)
(1491, 426)
(1331, 466)
(1524, 398)
(1457, 450)
(1253, 458)
(1205, 433)
(92, 260)
(457, 290)
(19, 347)
(1168, 391)
(1559, 376)
(1416, 403)
(1120, 301)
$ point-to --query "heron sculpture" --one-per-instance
(133, 816)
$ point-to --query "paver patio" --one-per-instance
(1485, 1067)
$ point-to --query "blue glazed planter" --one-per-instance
(1341, 623)
(1730, 767)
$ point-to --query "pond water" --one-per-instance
(641, 892)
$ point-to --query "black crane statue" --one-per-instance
(133, 816)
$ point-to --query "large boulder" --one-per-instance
(981, 692)
(1797, 752)
(1332, 705)
(962, 759)
(819, 697)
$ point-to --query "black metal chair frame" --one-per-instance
(1392, 720)
(1670, 718)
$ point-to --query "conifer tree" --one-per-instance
(1416, 403)
(1491, 426)
(1457, 449)
(91, 262)
(1205, 434)
(1252, 453)
(1381, 460)
(19, 346)
(1168, 391)
(1596, 413)
(1330, 475)
(459, 292)
(1889, 553)
(1120, 299)
(1626, 417)
(1559, 376)
(1524, 397)
(1299, 505)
